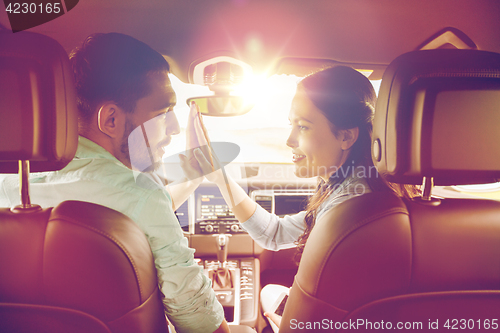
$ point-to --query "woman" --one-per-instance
(331, 118)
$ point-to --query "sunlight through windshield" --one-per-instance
(261, 133)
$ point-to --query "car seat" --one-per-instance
(77, 267)
(381, 262)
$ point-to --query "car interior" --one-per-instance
(380, 261)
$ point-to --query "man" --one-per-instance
(123, 90)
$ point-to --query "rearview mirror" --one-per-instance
(221, 106)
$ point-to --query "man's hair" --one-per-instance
(113, 67)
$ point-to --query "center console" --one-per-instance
(240, 297)
(226, 252)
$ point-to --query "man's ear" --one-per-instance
(349, 137)
(110, 120)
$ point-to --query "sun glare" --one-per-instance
(270, 96)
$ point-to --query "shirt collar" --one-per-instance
(89, 149)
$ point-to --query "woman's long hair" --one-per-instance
(347, 99)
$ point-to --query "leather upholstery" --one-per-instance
(37, 103)
(437, 115)
(78, 267)
(377, 257)
(78, 258)
(394, 254)
(344, 265)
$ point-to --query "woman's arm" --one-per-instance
(273, 232)
(268, 230)
(236, 198)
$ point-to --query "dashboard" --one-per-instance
(206, 212)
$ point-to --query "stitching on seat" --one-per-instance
(120, 245)
(59, 309)
(153, 294)
(297, 284)
(43, 256)
(350, 230)
(453, 73)
(410, 279)
(429, 293)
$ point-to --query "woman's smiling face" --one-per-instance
(316, 150)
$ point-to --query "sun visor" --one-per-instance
(438, 115)
(38, 114)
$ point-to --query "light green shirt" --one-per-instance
(96, 176)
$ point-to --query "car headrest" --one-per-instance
(38, 113)
(438, 115)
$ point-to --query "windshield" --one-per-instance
(261, 133)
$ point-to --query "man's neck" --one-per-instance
(107, 143)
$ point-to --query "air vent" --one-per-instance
(183, 216)
(249, 171)
(265, 201)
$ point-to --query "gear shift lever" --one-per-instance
(222, 244)
(222, 276)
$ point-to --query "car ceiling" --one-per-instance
(261, 31)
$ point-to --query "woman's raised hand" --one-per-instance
(201, 159)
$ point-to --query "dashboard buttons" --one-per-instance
(216, 226)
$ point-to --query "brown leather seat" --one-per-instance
(381, 261)
(78, 267)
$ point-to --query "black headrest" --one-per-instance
(38, 114)
(438, 115)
